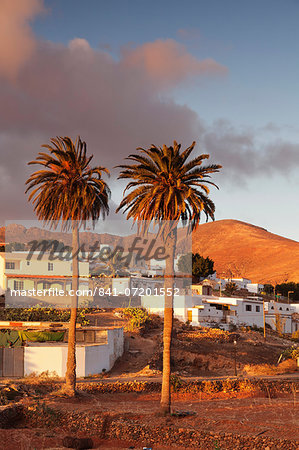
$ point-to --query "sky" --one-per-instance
(127, 74)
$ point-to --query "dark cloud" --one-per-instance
(244, 153)
(116, 106)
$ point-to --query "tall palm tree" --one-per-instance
(165, 188)
(67, 189)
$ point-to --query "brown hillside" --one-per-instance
(248, 251)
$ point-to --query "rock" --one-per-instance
(77, 443)
(10, 415)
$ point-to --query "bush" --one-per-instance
(42, 315)
(176, 382)
(290, 353)
(138, 318)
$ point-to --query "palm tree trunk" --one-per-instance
(170, 245)
(70, 376)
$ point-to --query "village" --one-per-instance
(41, 283)
(228, 346)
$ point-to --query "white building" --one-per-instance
(91, 358)
(136, 286)
(181, 305)
(255, 288)
(240, 282)
(229, 310)
(19, 272)
(205, 310)
(279, 315)
(41, 278)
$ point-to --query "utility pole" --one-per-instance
(289, 292)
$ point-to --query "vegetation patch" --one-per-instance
(38, 314)
(138, 318)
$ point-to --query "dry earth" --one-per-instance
(248, 251)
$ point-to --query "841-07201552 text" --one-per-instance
(137, 291)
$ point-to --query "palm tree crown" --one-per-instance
(68, 188)
(167, 187)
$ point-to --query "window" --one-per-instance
(46, 285)
(9, 265)
(257, 308)
(287, 309)
(28, 263)
(280, 309)
(50, 267)
(248, 308)
(18, 285)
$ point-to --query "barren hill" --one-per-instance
(242, 249)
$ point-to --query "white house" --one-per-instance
(136, 286)
(255, 288)
(229, 310)
(204, 310)
(93, 356)
(39, 278)
(181, 305)
(281, 312)
(240, 282)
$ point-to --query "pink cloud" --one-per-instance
(17, 42)
(167, 63)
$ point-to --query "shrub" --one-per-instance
(290, 353)
(138, 318)
(42, 315)
(176, 382)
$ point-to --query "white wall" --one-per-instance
(2, 267)
(284, 310)
(295, 307)
(245, 311)
(255, 288)
(91, 359)
(181, 304)
(119, 285)
(40, 267)
(237, 313)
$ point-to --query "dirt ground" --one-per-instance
(228, 420)
(232, 423)
(196, 352)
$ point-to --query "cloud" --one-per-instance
(244, 153)
(115, 105)
(167, 63)
(17, 42)
(71, 90)
(79, 44)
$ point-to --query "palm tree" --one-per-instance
(67, 189)
(165, 188)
